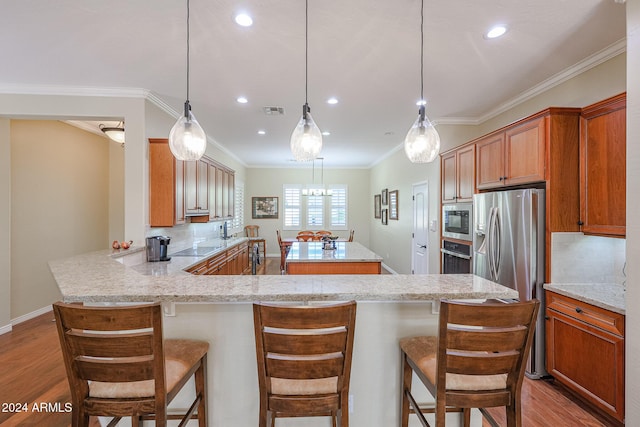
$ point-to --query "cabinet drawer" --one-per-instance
(595, 316)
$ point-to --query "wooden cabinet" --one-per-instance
(196, 197)
(458, 175)
(512, 157)
(166, 186)
(603, 167)
(585, 351)
(233, 261)
(221, 192)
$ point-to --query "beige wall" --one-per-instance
(270, 181)
(396, 172)
(632, 339)
(5, 224)
(59, 204)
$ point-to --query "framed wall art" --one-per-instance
(393, 204)
(377, 206)
(385, 216)
(385, 197)
(264, 207)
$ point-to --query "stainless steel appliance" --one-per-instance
(508, 248)
(456, 258)
(457, 221)
(157, 248)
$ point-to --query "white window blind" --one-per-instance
(315, 212)
(338, 202)
(292, 209)
(237, 224)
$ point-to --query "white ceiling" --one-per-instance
(364, 52)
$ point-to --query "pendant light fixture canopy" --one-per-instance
(187, 139)
(422, 143)
(306, 139)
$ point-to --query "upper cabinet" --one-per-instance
(603, 167)
(202, 190)
(512, 157)
(166, 186)
(458, 176)
(196, 188)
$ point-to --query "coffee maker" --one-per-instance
(157, 248)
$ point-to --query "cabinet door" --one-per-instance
(465, 174)
(525, 153)
(203, 186)
(490, 161)
(448, 171)
(180, 211)
(219, 184)
(196, 189)
(225, 194)
(232, 194)
(587, 360)
(603, 168)
(213, 215)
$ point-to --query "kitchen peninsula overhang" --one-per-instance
(99, 277)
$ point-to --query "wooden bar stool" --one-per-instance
(252, 232)
(476, 361)
(304, 360)
(119, 365)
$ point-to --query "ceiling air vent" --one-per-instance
(273, 111)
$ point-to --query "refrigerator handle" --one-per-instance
(498, 239)
(489, 242)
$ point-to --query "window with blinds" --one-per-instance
(313, 210)
(292, 208)
(338, 203)
(237, 224)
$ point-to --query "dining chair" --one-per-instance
(304, 360)
(305, 236)
(253, 233)
(476, 361)
(118, 364)
(284, 251)
(320, 234)
(351, 233)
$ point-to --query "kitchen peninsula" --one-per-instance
(218, 309)
(343, 258)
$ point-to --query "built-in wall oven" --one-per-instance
(457, 221)
(456, 257)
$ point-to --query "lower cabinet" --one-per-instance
(233, 261)
(585, 352)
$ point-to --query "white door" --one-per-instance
(420, 240)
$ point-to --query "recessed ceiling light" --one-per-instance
(496, 31)
(262, 132)
(326, 133)
(244, 20)
(332, 101)
(242, 100)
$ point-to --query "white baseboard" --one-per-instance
(31, 315)
(5, 329)
(386, 267)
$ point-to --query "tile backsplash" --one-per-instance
(187, 235)
(577, 258)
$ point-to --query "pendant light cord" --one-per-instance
(188, 49)
(306, 52)
(422, 53)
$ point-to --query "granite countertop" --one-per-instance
(610, 296)
(344, 252)
(101, 277)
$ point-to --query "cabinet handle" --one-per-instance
(578, 310)
(546, 318)
(501, 178)
(580, 223)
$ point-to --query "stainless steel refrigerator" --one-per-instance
(508, 248)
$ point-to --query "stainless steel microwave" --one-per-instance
(457, 221)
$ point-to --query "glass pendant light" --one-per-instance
(306, 139)
(187, 139)
(422, 143)
(114, 133)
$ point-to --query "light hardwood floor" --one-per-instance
(32, 373)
